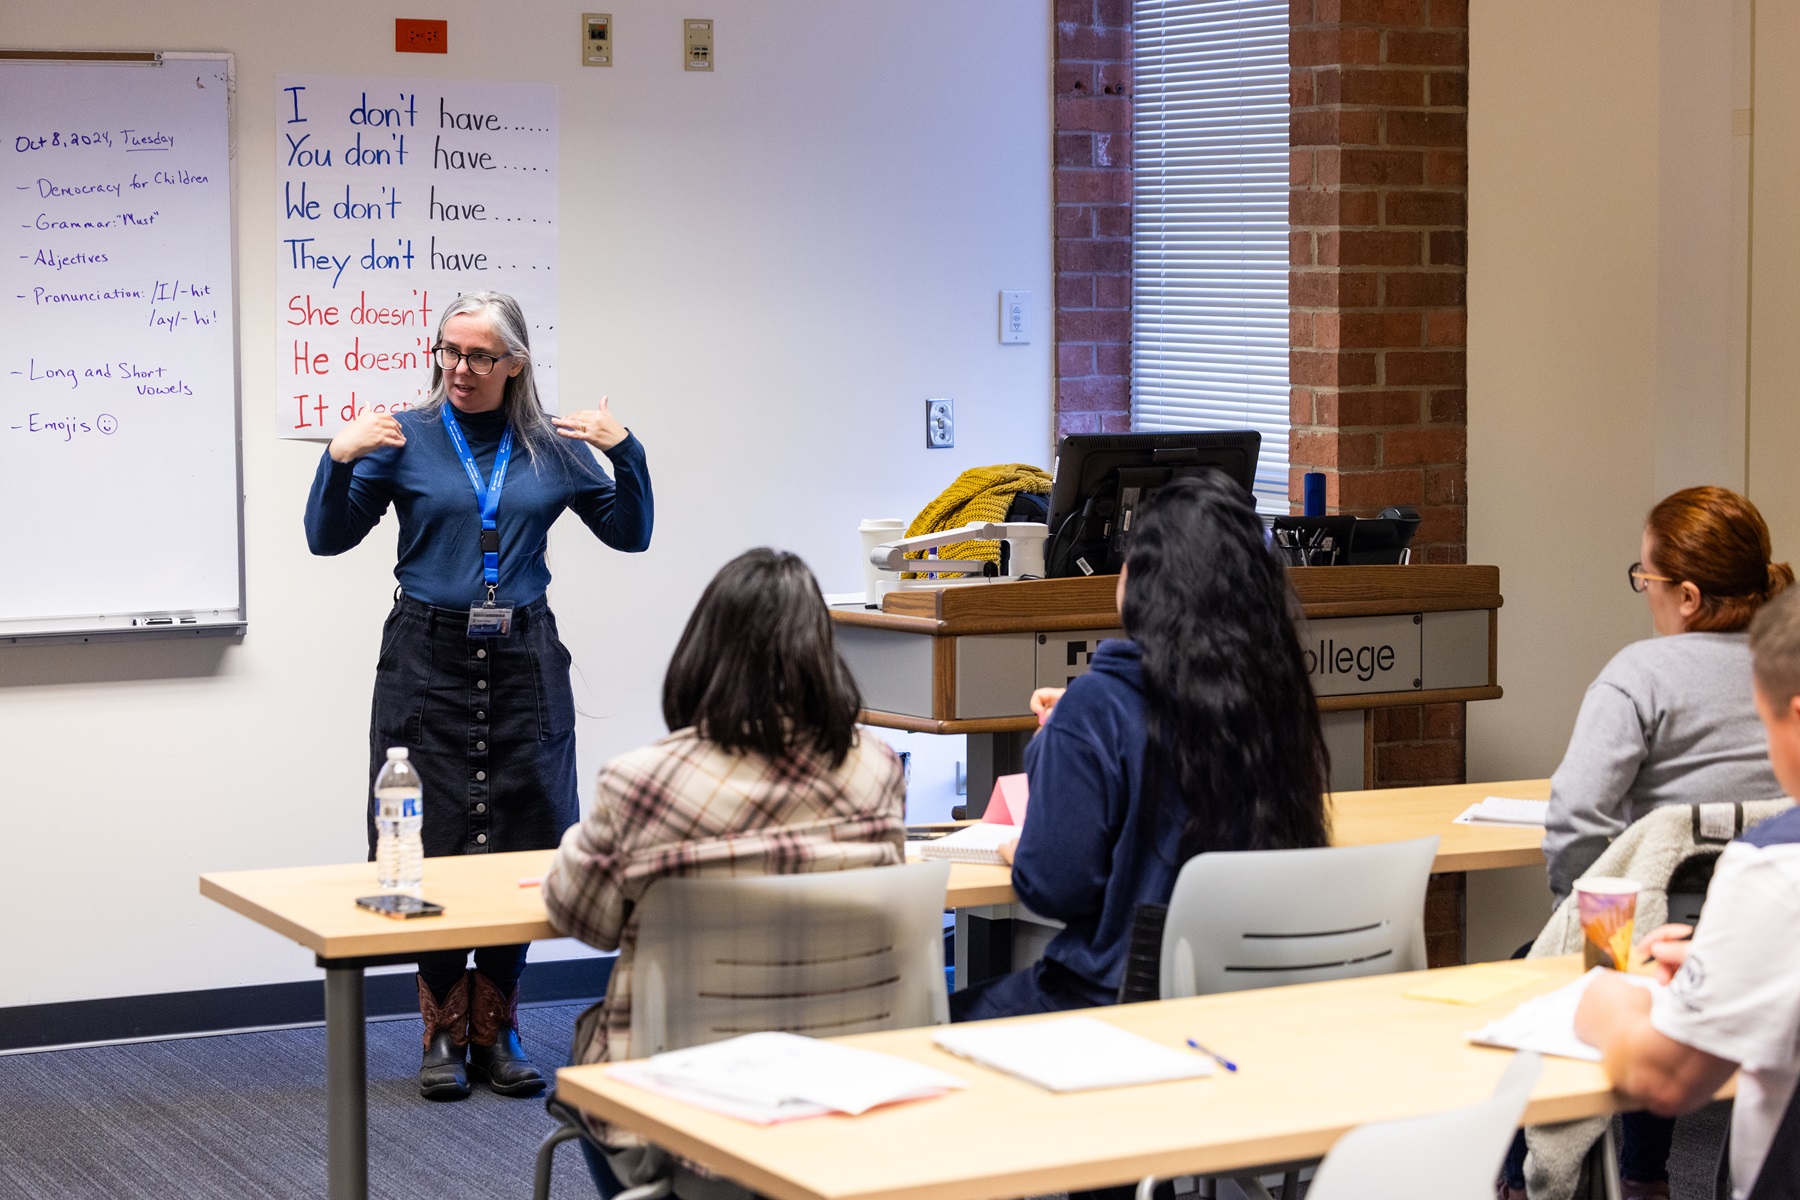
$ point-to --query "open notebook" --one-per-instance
(1071, 1054)
(767, 1078)
(978, 843)
(1547, 1023)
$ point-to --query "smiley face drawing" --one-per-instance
(106, 423)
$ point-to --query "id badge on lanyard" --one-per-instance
(487, 619)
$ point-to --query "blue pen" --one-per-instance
(1218, 1058)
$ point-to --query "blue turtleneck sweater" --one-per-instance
(440, 519)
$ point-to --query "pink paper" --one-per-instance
(1007, 805)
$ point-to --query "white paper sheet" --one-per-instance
(768, 1077)
(1547, 1023)
(393, 197)
(1072, 1054)
(1498, 810)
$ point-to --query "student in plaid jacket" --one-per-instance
(763, 773)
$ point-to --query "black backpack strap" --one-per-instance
(1142, 977)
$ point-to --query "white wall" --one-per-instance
(1607, 324)
(769, 270)
(1609, 330)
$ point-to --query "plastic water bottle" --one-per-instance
(399, 816)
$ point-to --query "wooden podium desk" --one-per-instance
(965, 658)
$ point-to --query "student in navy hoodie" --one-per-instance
(1198, 732)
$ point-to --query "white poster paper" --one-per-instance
(396, 196)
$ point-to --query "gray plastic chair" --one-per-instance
(1268, 918)
(821, 954)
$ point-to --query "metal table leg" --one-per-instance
(346, 1084)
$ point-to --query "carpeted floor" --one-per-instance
(243, 1116)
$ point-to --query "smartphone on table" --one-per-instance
(399, 906)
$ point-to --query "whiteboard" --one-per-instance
(120, 447)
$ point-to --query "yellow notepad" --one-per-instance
(1473, 985)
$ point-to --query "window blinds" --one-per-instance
(1210, 224)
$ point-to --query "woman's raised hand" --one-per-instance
(370, 431)
(596, 426)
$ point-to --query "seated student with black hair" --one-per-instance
(763, 773)
(1733, 996)
(1198, 732)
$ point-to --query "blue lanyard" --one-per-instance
(488, 497)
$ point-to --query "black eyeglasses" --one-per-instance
(480, 361)
(1637, 576)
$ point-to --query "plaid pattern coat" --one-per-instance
(686, 806)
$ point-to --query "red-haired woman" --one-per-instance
(1670, 720)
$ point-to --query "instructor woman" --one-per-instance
(473, 679)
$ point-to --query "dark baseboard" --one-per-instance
(217, 1010)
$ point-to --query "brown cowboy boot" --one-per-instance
(441, 1074)
(494, 1050)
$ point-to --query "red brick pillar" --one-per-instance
(1378, 206)
(1093, 216)
(1379, 230)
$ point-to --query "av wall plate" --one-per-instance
(698, 41)
(596, 39)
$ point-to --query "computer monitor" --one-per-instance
(1103, 479)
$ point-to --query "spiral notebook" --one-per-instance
(978, 843)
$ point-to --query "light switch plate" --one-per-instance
(698, 39)
(940, 424)
(596, 39)
(1015, 318)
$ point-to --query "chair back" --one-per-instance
(1266, 918)
(821, 954)
(1444, 1156)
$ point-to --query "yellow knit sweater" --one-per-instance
(979, 494)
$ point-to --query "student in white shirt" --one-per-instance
(1733, 996)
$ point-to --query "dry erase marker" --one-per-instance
(1218, 1058)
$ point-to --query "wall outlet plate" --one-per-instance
(421, 37)
(697, 37)
(940, 424)
(596, 39)
(1015, 318)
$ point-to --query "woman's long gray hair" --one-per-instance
(531, 425)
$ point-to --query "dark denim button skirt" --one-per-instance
(489, 723)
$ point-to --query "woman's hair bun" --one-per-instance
(1781, 578)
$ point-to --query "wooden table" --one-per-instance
(483, 906)
(1315, 1061)
(1401, 814)
(998, 936)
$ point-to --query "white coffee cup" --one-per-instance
(876, 582)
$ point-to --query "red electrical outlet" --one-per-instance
(421, 37)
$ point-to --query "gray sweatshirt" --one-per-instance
(1668, 721)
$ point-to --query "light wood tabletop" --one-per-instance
(1314, 1062)
(1401, 814)
(1361, 819)
(484, 904)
